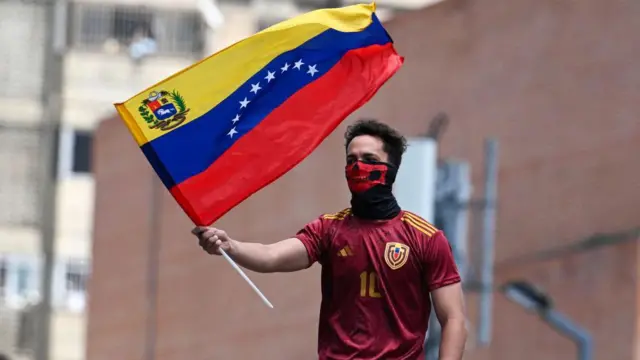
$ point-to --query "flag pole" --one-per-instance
(246, 278)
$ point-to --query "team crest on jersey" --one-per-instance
(396, 255)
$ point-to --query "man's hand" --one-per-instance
(212, 240)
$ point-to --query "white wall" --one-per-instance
(74, 225)
(68, 332)
(19, 240)
(415, 184)
(94, 81)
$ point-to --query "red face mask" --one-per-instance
(363, 176)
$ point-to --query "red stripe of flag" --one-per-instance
(287, 135)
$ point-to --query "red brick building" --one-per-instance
(556, 82)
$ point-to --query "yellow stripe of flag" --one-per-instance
(209, 81)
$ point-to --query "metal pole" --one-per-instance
(488, 240)
(55, 16)
(432, 345)
(577, 334)
(453, 192)
(155, 211)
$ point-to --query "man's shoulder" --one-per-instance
(328, 221)
(418, 225)
(338, 216)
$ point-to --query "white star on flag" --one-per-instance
(255, 88)
(270, 76)
(312, 70)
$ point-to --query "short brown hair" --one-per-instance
(394, 143)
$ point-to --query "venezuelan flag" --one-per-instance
(227, 126)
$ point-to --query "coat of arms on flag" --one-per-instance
(396, 255)
(163, 110)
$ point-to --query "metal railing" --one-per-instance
(115, 28)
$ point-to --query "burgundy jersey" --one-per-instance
(376, 279)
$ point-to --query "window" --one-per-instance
(3, 277)
(128, 22)
(18, 280)
(82, 151)
(76, 278)
(129, 28)
(75, 152)
(70, 285)
(23, 274)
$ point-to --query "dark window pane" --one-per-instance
(82, 152)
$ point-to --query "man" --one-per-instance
(379, 263)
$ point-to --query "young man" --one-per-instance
(379, 263)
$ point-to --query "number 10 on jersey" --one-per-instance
(369, 285)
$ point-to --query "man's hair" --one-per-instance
(394, 143)
(4, 357)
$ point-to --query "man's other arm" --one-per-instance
(446, 293)
(448, 303)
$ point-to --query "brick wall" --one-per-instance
(555, 82)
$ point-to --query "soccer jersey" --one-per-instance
(376, 279)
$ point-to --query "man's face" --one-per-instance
(369, 172)
(366, 148)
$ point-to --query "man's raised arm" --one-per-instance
(284, 256)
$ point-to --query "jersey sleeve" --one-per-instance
(313, 236)
(440, 267)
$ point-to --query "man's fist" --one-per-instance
(212, 240)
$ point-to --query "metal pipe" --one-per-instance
(580, 336)
(432, 344)
(51, 98)
(153, 264)
(488, 241)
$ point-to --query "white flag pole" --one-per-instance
(246, 278)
